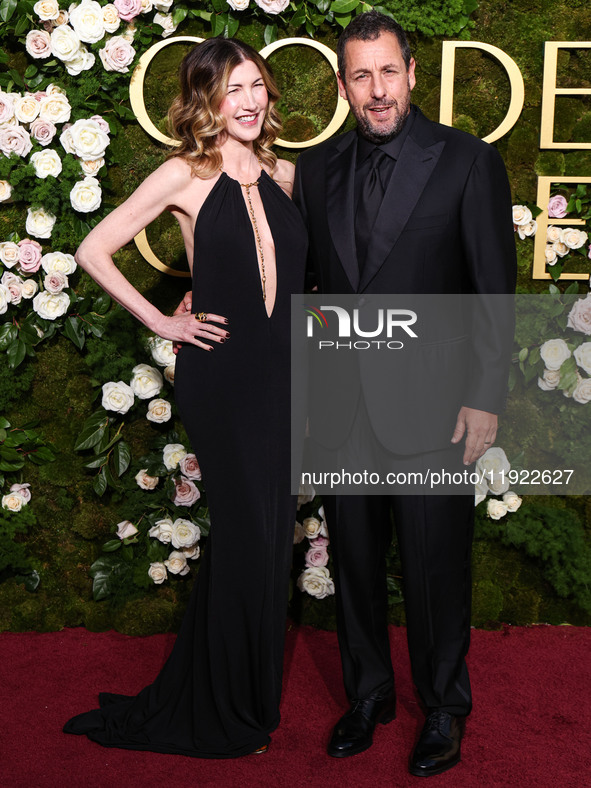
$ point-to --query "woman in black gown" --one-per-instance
(218, 694)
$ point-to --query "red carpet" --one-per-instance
(531, 724)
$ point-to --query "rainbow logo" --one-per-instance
(317, 314)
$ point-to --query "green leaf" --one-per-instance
(343, 6)
(99, 484)
(11, 466)
(343, 21)
(553, 289)
(203, 523)
(17, 78)
(179, 14)
(122, 457)
(232, 26)
(42, 455)
(102, 304)
(323, 5)
(101, 572)
(299, 17)
(7, 9)
(4, 423)
(93, 430)
(16, 352)
(217, 25)
(97, 462)
(111, 545)
(270, 34)
(31, 71)
(219, 6)
(572, 288)
(74, 331)
(556, 270)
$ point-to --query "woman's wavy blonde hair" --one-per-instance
(194, 118)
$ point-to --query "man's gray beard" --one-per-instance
(371, 135)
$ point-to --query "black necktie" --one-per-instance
(370, 199)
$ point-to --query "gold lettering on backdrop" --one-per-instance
(544, 185)
(550, 91)
(448, 60)
(136, 97)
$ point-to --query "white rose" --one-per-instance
(147, 6)
(299, 534)
(157, 572)
(550, 254)
(55, 108)
(560, 248)
(550, 380)
(583, 356)
(117, 396)
(582, 392)
(29, 288)
(192, 552)
(46, 162)
(50, 306)
(4, 299)
(65, 43)
(162, 530)
(161, 350)
(146, 381)
(111, 19)
(498, 485)
(184, 533)
(312, 527)
(87, 21)
(117, 55)
(496, 509)
(26, 108)
(43, 131)
(172, 454)
(91, 167)
(554, 353)
(47, 9)
(512, 501)
(5, 191)
(126, 529)
(6, 108)
(162, 5)
(54, 262)
(39, 222)
(9, 253)
(145, 481)
(23, 490)
(85, 195)
(553, 234)
(14, 502)
(85, 139)
(239, 5)
(159, 411)
(579, 317)
(527, 230)
(521, 215)
(273, 6)
(169, 374)
(571, 238)
(316, 581)
(55, 282)
(177, 563)
(15, 139)
(15, 289)
(493, 466)
(52, 90)
(83, 61)
(38, 44)
(166, 23)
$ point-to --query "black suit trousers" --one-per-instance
(434, 538)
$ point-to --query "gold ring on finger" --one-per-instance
(201, 317)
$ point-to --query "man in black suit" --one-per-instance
(405, 205)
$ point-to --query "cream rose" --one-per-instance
(512, 501)
(86, 195)
(172, 454)
(239, 5)
(47, 9)
(560, 248)
(62, 18)
(185, 492)
(117, 396)
(157, 572)
(15, 139)
(554, 353)
(316, 581)
(162, 530)
(570, 237)
(50, 306)
(579, 317)
(58, 261)
(166, 23)
(39, 222)
(312, 527)
(87, 20)
(91, 168)
(159, 411)
(169, 374)
(493, 466)
(43, 131)
(145, 481)
(553, 234)
(83, 61)
(26, 108)
(4, 299)
(5, 191)
(56, 282)
(161, 350)
(273, 6)
(496, 509)
(13, 502)
(65, 43)
(550, 380)
(527, 230)
(582, 392)
(126, 529)
(146, 381)
(184, 533)
(9, 253)
(521, 215)
(55, 108)
(550, 254)
(177, 563)
(85, 139)
(189, 467)
(29, 288)
(111, 19)
(38, 44)
(46, 162)
(192, 552)
(582, 356)
(299, 534)
(162, 5)
(117, 55)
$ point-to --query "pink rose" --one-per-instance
(15, 289)
(190, 467)
(15, 139)
(557, 207)
(117, 54)
(38, 43)
(128, 8)
(126, 529)
(320, 541)
(579, 317)
(317, 556)
(23, 491)
(6, 107)
(186, 493)
(43, 131)
(55, 282)
(102, 123)
(589, 255)
(29, 256)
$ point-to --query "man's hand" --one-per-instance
(480, 428)
(184, 306)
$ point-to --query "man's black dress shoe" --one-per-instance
(438, 746)
(353, 733)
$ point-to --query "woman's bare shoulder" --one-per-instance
(284, 174)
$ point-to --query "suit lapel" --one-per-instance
(340, 182)
(413, 170)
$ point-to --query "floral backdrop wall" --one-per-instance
(103, 513)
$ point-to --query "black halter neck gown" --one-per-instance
(218, 694)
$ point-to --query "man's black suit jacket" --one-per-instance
(444, 227)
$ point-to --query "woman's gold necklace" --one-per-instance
(253, 219)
